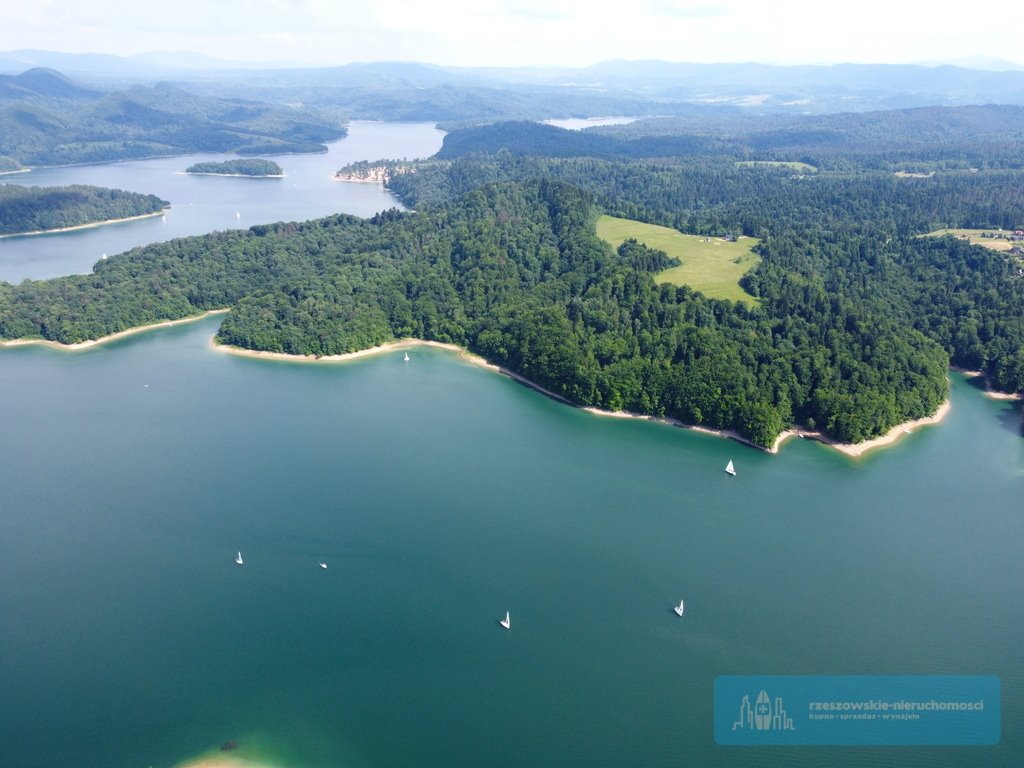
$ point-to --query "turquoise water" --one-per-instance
(201, 204)
(442, 495)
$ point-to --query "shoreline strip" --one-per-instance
(989, 392)
(161, 212)
(78, 346)
(236, 175)
(853, 450)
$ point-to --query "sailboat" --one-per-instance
(730, 469)
(239, 558)
(679, 609)
(506, 622)
(323, 565)
(407, 357)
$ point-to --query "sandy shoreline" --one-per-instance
(86, 226)
(854, 450)
(989, 392)
(112, 337)
(859, 449)
(850, 449)
(237, 175)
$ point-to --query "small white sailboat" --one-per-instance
(239, 558)
(407, 357)
(506, 622)
(679, 608)
(730, 469)
(238, 214)
(323, 565)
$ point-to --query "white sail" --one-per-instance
(730, 468)
(679, 609)
(323, 565)
(239, 558)
(407, 357)
(507, 621)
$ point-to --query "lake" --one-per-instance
(441, 495)
(201, 204)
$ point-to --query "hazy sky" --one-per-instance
(525, 32)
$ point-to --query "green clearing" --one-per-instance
(792, 164)
(997, 241)
(712, 266)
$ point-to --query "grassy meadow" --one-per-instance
(712, 266)
(973, 236)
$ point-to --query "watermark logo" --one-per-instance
(763, 716)
(858, 709)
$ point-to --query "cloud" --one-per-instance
(520, 32)
(687, 10)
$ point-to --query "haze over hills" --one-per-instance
(48, 119)
(406, 90)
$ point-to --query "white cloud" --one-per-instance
(522, 32)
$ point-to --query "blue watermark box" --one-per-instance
(857, 710)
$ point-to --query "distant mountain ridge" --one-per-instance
(405, 90)
(921, 137)
(48, 119)
(42, 83)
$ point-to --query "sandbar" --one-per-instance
(161, 212)
(112, 337)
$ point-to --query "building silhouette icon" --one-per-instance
(764, 715)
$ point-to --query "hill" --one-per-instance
(46, 119)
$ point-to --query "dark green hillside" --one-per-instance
(929, 138)
(36, 209)
(516, 273)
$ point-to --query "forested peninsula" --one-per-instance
(25, 210)
(854, 320)
(247, 167)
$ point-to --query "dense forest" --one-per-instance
(253, 167)
(922, 139)
(37, 209)
(854, 236)
(515, 272)
(46, 119)
(859, 314)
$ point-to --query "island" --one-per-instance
(251, 167)
(40, 210)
